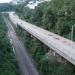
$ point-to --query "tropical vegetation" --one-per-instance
(8, 64)
(56, 16)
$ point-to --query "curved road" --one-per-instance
(24, 61)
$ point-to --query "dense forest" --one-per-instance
(6, 7)
(8, 64)
(56, 16)
(46, 64)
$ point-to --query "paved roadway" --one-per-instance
(61, 45)
(24, 61)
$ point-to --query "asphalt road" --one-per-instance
(60, 45)
(24, 61)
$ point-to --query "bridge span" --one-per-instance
(61, 45)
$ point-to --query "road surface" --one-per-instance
(61, 45)
(24, 61)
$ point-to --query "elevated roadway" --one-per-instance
(61, 45)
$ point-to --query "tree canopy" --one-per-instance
(7, 58)
(57, 16)
(6, 7)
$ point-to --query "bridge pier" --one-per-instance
(59, 58)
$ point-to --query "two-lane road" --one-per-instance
(24, 61)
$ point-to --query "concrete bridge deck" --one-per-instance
(61, 45)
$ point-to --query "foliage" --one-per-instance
(6, 7)
(47, 66)
(7, 58)
(57, 16)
